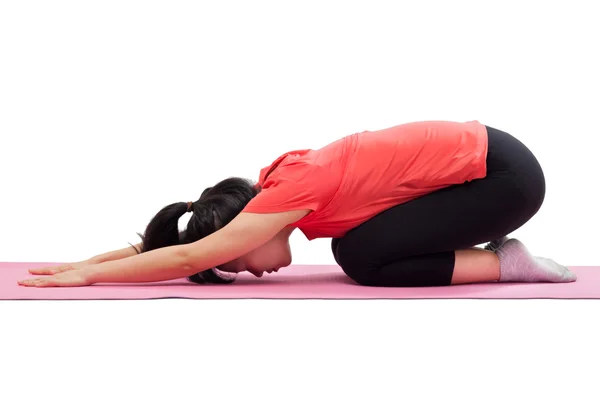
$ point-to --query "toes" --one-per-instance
(569, 276)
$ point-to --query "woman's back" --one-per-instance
(350, 180)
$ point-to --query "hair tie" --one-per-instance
(190, 204)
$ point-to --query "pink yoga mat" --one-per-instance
(296, 282)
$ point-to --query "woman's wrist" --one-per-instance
(90, 274)
(92, 261)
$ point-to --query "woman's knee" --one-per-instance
(363, 276)
(352, 265)
(334, 248)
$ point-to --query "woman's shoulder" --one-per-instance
(292, 164)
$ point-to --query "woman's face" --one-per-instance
(269, 257)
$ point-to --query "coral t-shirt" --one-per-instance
(355, 178)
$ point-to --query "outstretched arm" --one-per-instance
(242, 235)
(116, 254)
(110, 256)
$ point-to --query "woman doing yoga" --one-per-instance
(404, 206)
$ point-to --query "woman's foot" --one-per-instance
(518, 265)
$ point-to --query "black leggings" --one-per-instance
(413, 244)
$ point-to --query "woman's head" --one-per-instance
(216, 207)
(269, 257)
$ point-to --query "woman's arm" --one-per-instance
(101, 258)
(116, 254)
(242, 235)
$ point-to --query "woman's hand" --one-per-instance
(75, 277)
(60, 268)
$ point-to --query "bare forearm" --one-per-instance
(157, 265)
(116, 254)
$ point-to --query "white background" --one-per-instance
(111, 110)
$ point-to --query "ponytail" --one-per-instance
(163, 229)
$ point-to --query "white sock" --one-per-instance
(518, 265)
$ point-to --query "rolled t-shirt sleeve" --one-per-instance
(288, 188)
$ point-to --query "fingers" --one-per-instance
(37, 282)
(50, 270)
(40, 271)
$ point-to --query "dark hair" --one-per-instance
(217, 206)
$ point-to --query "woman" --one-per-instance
(405, 206)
